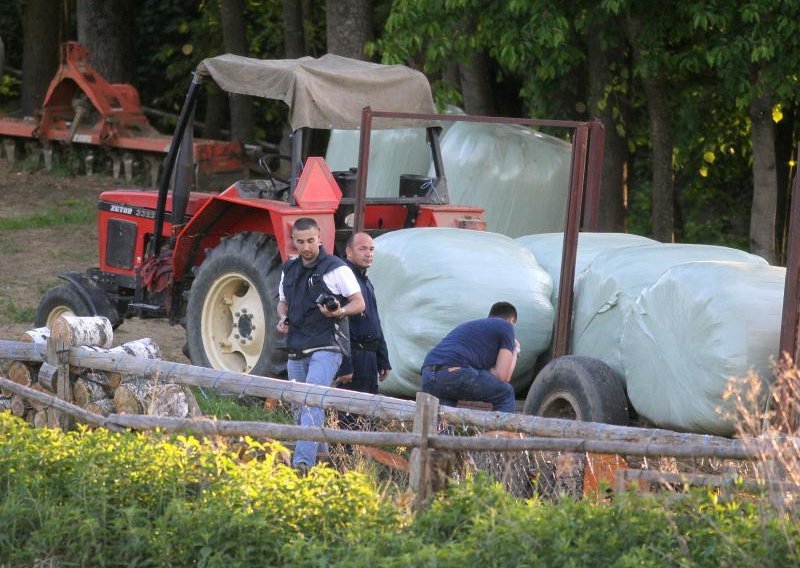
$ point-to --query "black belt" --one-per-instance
(365, 345)
(435, 368)
(302, 354)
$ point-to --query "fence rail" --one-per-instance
(535, 433)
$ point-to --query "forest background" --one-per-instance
(698, 98)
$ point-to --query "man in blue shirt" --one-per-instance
(475, 361)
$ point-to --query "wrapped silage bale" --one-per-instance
(698, 325)
(609, 286)
(429, 280)
(392, 153)
(548, 247)
(519, 176)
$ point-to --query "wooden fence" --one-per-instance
(535, 433)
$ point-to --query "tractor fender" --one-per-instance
(93, 295)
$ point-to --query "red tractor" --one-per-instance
(212, 262)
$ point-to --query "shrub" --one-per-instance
(95, 498)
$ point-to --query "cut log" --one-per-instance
(40, 419)
(85, 392)
(18, 406)
(133, 396)
(35, 404)
(20, 373)
(48, 374)
(145, 348)
(103, 380)
(30, 416)
(103, 407)
(5, 404)
(37, 336)
(173, 400)
(79, 331)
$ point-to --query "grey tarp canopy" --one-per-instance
(328, 92)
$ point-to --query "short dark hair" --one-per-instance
(304, 223)
(503, 310)
(352, 237)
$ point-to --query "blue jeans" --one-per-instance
(317, 369)
(469, 384)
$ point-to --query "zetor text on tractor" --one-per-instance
(212, 262)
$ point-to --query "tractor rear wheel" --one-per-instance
(231, 315)
(62, 300)
(578, 388)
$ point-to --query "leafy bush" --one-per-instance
(99, 498)
(95, 498)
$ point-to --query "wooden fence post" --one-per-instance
(58, 356)
(425, 423)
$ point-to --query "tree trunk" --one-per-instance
(476, 86)
(234, 38)
(106, 28)
(765, 182)
(349, 27)
(41, 21)
(661, 142)
(294, 43)
(216, 105)
(663, 193)
(615, 154)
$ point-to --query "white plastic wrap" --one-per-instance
(609, 286)
(427, 281)
(698, 325)
(548, 247)
(519, 176)
(392, 153)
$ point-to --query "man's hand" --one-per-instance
(283, 326)
(382, 374)
(344, 379)
(337, 313)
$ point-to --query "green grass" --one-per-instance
(233, 408)
(71, 212)
(12, 313)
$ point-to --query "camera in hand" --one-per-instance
(329, 302)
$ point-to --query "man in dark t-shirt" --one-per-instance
(475, 361)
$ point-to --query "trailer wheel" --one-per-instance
(578, 388)
(61, 300)
(231, 314)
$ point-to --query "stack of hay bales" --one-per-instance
(674, 321)
(427, 281)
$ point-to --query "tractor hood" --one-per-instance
(328, 92)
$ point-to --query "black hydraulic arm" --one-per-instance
(169, 163)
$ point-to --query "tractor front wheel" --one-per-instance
(231, 314)
(61, 300)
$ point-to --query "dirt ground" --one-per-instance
(31, 258)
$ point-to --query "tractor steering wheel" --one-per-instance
(279, 185)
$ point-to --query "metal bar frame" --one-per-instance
(583, 200)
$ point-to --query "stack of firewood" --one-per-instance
(96, 391)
